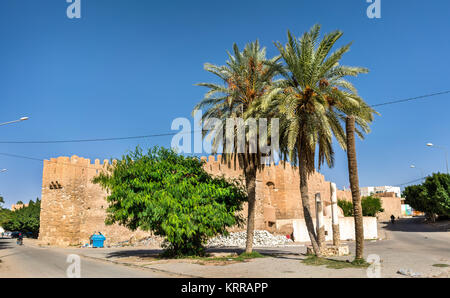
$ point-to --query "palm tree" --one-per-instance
(313, 99)
(246, 79)
(354, 185)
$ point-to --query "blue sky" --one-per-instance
(128, 67)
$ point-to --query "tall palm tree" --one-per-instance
(246, 79)
(354, 185)
(313, 100)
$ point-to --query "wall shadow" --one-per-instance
(415, 224)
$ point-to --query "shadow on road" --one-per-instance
(415, 224)
(5, 244)
(156, 253)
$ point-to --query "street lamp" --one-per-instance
(421, 171)
(15, 121)
(3, 170)
(445, 151)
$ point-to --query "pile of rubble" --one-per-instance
(261, 239)
(149, 242)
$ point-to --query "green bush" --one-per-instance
(370, 206)
(346, 206)
(173, 196)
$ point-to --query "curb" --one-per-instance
(180, 275)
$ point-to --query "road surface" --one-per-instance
(34, 262)
(410, 245)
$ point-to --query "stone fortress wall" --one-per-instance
(73, 208)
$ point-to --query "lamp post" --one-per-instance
(421, 171)
(445, 151)
(3, 170)
(15, 121)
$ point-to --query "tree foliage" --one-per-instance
(5, 216)
(346, 206)
(26, 220)
(171, 195)
(312, 100)
(245, 80)
(432, 196)
(370, 206)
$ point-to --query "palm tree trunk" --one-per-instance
(250, 181)
(354, 185)
(303, 171)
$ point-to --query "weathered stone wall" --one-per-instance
(277, 191)
(391, 206)
(15, 207)
(73, 208)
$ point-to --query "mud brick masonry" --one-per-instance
(73, 208)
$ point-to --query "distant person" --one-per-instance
(392, 218)
(20, 239)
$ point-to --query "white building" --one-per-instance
(370, 190)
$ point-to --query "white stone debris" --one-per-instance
(409, 272)
(260, 239)
(150, 242)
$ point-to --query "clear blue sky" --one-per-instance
(127, 67)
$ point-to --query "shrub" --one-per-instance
(172, 196)
(370, 206)
(346, 206)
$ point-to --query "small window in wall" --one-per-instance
(270, 185)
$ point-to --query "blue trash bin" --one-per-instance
(98, 241)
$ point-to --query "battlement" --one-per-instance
(76, 161)
(214, 159)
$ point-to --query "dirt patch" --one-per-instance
(213, 259)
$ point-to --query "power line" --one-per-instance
(21, 156)
(410, 99)
(90, 140)
(42, 160)
(411, 182)
(189, 132)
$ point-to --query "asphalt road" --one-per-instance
(410, 244)
(33, 262)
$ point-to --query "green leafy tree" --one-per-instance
(246, 80)
(431, 197)
(171, 195)
(26, 220)
(5, 216)
(314, 100)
